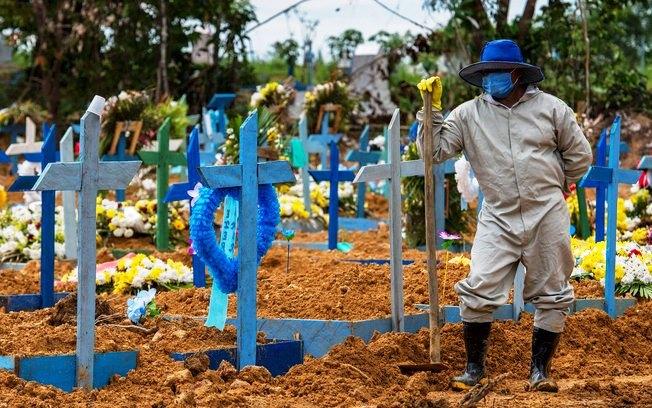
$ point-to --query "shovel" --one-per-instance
(435, 364)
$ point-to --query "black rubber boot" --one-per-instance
(476, 340)
(544, 344)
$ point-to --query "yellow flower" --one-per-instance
(155, 273)
(151, 207)
(110, 213)
(460, 260)
(178, 224)
(640, 236)
(3, 197)
(99, 210)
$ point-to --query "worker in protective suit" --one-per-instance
(526, 148)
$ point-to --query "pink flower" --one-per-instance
(448, 236)
(194, 193)
(191, 250)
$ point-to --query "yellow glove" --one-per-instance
(432, 84)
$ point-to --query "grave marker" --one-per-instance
(179, 191)
(162, 158)
(363, 156)
(66, 146)
(118, 150)
(305, 176)
(334, 177)
(318, 143)
(88, 175)
(24, 183)
(247, 175)
(611, 175)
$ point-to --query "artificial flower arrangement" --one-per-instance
(270, 136)
(633, 265)
(20, 232)
(126, 219)
(17, 112)
(335, 92)
(292, 207)
(632, 214)
(137, 271)
(272, 94)
(137, 105)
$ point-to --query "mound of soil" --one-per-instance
(600, 362)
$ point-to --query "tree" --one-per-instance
(343, 47)
(120, 45)
(288, 51)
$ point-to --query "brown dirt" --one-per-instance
(600, 363)
(329, 288)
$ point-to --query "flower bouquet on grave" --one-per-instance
(128, 219)
(335, 92)
(277, 98)
(270, 137)
(20, 233)
(633, 265)
(19, 111)
(293, 211)
(138, 271)
(139, 105)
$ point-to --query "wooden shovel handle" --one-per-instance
(431, 229)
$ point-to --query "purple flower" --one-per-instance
(448, 236)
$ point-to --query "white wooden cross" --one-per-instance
(88, 175)
(393, 170)
(30, 145)
(66, 147)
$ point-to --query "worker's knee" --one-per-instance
(552, 320)
(479, 300)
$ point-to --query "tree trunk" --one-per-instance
(525, 22)
(162, 84)
(587, 54)
(501, 17)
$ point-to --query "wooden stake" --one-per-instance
(431, 229)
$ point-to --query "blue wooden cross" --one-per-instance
(363, 156)
(645, 164)
(333, 176)
(248, 175)
(13, 130)
(88, 175)
(602, 148)
(215, 123)
(24, 183)
(318, 143)
(121, 154)
(179, 191)
(612, 176)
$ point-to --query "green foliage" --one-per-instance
(153, 309)
(344, 45)
(637, 289)
(177, 111)
(116, 46)
(17, 112)
(266, 128)
(336, 92)
(288, 51)
(412, 191)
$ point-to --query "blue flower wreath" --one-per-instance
(204, 242)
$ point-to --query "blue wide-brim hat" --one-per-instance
(501, 55)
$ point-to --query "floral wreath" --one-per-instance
(223, 268)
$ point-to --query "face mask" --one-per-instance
(498, 84)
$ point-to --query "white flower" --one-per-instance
(129, 233)
(629, 207)
(59, 249)
(280, 89)
(118, 232)
(378, 141)
(194, 193)
(149, 184)
(256, 98)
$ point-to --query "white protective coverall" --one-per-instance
(523, 158)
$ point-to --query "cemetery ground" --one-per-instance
(601, 362)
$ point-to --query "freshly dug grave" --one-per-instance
(600, 363)
(53, 330)
(318, 284)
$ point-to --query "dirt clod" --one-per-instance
(197, 363)
(65, 310)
